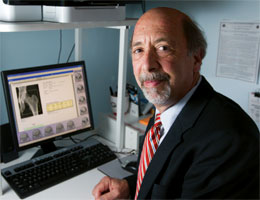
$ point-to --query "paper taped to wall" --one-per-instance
(238, 50)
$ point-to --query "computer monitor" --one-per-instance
(46, 103)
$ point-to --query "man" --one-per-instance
(208, 146)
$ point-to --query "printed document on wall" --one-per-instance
(238, 51)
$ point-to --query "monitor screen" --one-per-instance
(47, 102)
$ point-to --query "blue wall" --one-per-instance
(28, 49)
(100, 49)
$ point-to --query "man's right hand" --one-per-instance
(111, 188)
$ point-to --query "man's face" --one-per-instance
(162, 67)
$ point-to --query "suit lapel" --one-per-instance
(183, 122)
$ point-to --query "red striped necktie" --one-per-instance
(150, 146)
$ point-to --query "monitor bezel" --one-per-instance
(10, 110)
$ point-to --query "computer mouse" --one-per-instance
(130, 166)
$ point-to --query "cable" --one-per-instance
(79, 140)
(72, 49)
(74, 140)
(130, 152)
(60, 46)
(88, 137)
(143, 6)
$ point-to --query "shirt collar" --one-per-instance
(169, 116)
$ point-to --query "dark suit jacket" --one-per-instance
(210, 152)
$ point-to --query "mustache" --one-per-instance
(154, 76)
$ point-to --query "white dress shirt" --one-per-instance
(168, 116)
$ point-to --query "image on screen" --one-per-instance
(29, 100)
(49, 102)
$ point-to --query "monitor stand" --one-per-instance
(47, 147)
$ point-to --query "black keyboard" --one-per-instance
(35, 175)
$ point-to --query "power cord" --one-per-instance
(72, 49)
(143, 6)
(60, 47)
(60, 50)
